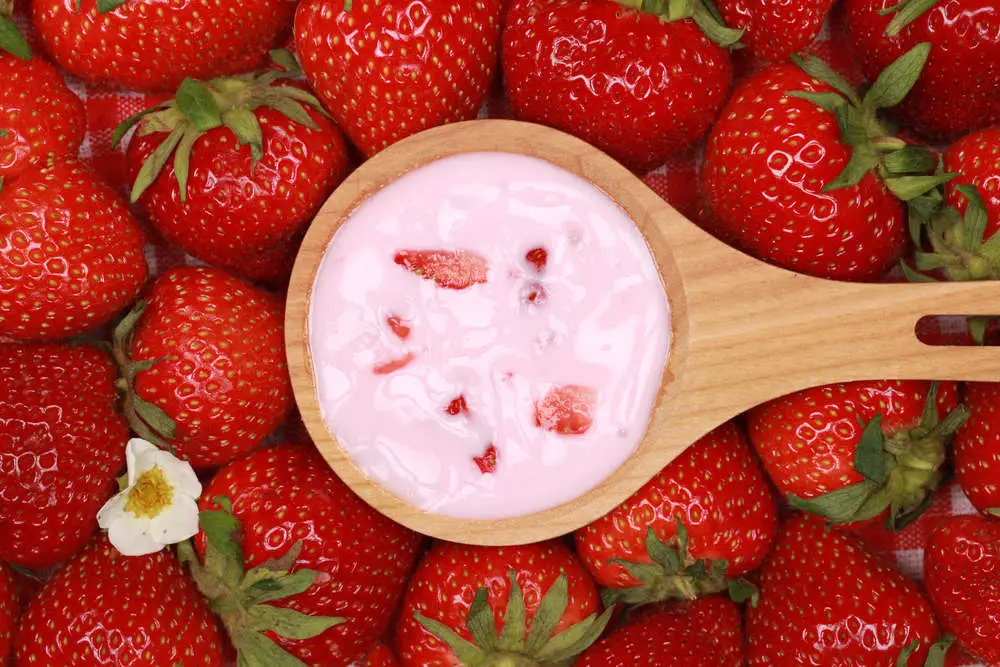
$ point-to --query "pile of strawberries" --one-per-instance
(751, 548)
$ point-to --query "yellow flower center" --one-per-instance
(150, 495)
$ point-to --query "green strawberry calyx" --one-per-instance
(907, 170)
(935, 657)
(201, 106)
(906, 12)
(703, 12)
(241, 598)
(674, 574)
(517, 645)
(900, 470)
(959, 249)
(146, 419)
(11, 39)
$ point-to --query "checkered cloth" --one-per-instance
(676, 181)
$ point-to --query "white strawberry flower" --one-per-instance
(159, 505)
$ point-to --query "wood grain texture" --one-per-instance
(744, 332)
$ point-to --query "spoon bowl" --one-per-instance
(744, 332)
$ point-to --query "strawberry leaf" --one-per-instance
(152, 167)
(12, 41)
(288, 622)
(182, 161)
(908, 650)
(575, 639)
(268, 589)
(840, 506)
(906, 12)
(976, 217)
(257, 650)
(197, 104)
(106, 6)
(549, 612)
(909, 187)
(481, 622)
(817, 69)
(993, 511)
(870, 455)
(829, 101)
(714, 28)
(936, 656)
(977, 328)
(896, 81)
(512, 637)
(246, 127)
(284, 59)
(909, 160)
(468, 653)
(863, 160)
(155, 417)
(741, 590)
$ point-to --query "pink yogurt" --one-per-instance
(604, 324)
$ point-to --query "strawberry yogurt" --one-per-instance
(489, 334)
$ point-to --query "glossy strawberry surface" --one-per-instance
(388, 69)
(975, 159)
(154, 46)
(825, 600)
(223, 378)
(977, 446)
(775, 30)
(103, 608)
(8, 613)
(767, 162)
(962, 570)
(62, 444)
(287, 494)
(40, 113)
(957, 91)
(628, 82)
(71, 254)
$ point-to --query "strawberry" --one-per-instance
(362, 59)
(315, 564)
(134, 45)
(801, 173)
(707, 632)
(62, 443)
(712, 505)
(962, 575)
(39, 115)
(566, 410)
(825, 600)
(521, 605)
(592, 68)
(102, 608)
(380, 655)
(253, 160)
(858, 451)
(977, 447)
(773, 31)
(957, 91)
(8, 613)
(450, 269)
(975, 159)
(205, 365)
(71, 254)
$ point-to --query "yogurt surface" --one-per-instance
(488, 334)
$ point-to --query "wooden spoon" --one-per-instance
(744, 332)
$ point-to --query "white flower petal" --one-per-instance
(177, 522)
(179, 474)
(131, 536)
(136, 452)
(114, 508)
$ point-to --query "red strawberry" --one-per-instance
(702, 633)
(775, 30)
(248, 184)
(782, 181)
(62, 443)
(451, 269)
(593, 68)
(390, 69)
(566, 410)
(379, 656)
(321, 552)
(71, 254)
(717, 491)
(858, 451)
(102, 608)
(8, 613)
(40, 114)
(975, 158)
(206, 363)
(462, 597)
(962, 575)
(825, 600)
(135, 45)
(957, 92)
(977, 447)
